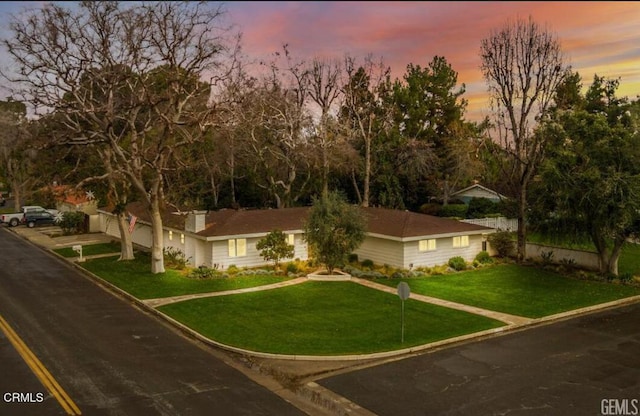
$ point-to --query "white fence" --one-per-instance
(499, 223)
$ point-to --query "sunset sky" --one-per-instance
(597, 37)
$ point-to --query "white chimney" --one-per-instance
(195, 221)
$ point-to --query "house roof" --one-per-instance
(382, 221)
(403, 224)
(238, 222)
(478, 186)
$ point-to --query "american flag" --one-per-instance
(132, 222)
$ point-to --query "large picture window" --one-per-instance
(427, 245)
(237, 247)
(461, 241)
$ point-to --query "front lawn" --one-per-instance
(318, 318)
(630, 259)
(517, 290)
(135, 277)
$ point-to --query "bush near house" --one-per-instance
(457, 263)
(502, 242)
(72, 222)
(274, 247)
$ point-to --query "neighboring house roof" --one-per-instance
(380, 221)
(480, 188)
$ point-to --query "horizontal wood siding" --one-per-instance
(220, 253)
(443, 252)
(381, 251)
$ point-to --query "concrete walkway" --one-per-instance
(154, 303)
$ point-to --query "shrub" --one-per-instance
(72, 222)
(204, 273)
(453, 210)
(430, 208)
(175, 258)
(292, 268)
(483, 257)
(353, 258)
(233, 269)
(457, 263)
(502, 243)
(626, 277)
(547, 257)
(367, 263)
(481, 207)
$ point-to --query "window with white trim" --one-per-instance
(461, 241)
(427, 245)
(170, 235)
(238, 247)
(291, 239)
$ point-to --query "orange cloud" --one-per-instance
(597, 37)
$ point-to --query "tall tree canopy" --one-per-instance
(128, 78)
(522, 64)
(589, 184)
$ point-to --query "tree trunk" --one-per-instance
(355, 186)
(157, 245)
(612, 264)
(367, 172)
(522, 224)
(126, 244)
(17, 195)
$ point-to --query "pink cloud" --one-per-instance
(597, 37)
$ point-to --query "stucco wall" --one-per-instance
(586, 259)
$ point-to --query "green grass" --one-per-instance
(317, 318)
(517, 290)
(135, 277)
(90, 250)
(630, 259)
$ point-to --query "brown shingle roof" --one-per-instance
(402, 224)
(390, 222)
(236, 222)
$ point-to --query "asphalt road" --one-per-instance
(589, 365)
(109, 357)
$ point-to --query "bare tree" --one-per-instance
(362, 111)
(523, 64)
(324, 77)
(127, 77)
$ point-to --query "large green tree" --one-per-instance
(333, 229)
(589, 184)
(434, 144)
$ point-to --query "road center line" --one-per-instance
(40, 370)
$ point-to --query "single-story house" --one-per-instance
(70, 199)
(228, 236)
(477, 191)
